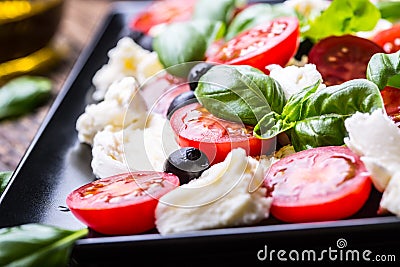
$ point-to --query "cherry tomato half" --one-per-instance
(319, 184)
(165, 11)
(196, 127)
(121, 204)
(342, 58)
(272, 43)
(391, 99)
(389, 39)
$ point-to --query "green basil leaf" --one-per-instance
(37, 245)
(254, 15)
(343, 17)
(293, 110)
(220, 10)
(344, 99)
(184, 42)
(23, 94)
(389, 9)
(383, 68)
(4, 179)
(239, 93)
(318, 131)
(271, 125)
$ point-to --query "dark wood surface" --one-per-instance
(80, 20)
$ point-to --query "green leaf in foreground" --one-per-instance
(343, 17)
(23, 94)
(384, 69)
(4, 178)
(37, 245)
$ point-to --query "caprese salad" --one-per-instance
(214, 114)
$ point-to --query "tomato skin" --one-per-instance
(269, 50)
(391, 100)
(389, 39)
(165, 11)
(128, 216)
(342, 58)
(196, 127)
(307, 186)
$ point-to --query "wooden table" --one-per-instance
(79, 23)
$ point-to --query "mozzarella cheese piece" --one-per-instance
(122, 106)
(228, 194)
(127, 59)
(293, 78)
(133, 148)
(376, 138)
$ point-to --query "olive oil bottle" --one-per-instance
(26, 29)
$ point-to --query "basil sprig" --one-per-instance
(316, 117)
(239, 93)
(384, 69)
(313, 116)
(37, 245)
(23, 94)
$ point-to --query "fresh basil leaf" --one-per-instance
(344, 99)
(343, 17)
(293, 109)
(316, 117)
(220, 10)
(184, 42)
(239, 93)
(4, 179)
(23, 94)
(271, 125)
(318, 131)
(389, 9)
(384, 69)
(254, 15)
(37, 245)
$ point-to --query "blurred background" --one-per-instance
(42, 38)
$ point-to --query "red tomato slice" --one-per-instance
(196, 127)
(121, 204)
(389, 39)
(272, 43)
(319, 184)
(342, 58)
(163, 11)
(391, 99)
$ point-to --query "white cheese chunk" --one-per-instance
(230, 193)
(293, 78)
(127, 59)
(122, 106)
(376, 138)
(133, 148)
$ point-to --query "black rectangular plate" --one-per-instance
(56, 163)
